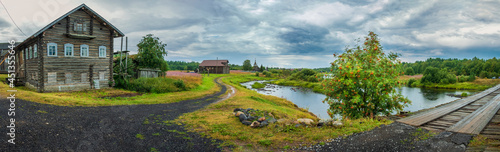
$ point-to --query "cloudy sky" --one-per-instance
(287, 33)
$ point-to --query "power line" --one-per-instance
(12, 19)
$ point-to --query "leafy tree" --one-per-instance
(409, 71)
(261, 69)
(247, 65)
(364, 82)
(151, 53)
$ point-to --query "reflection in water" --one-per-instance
(421, 98)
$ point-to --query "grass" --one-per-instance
(315, 86)
(480, 140)
(223, 125)
(140, 136)
(258, 85)
(98, 97)
(478, 84)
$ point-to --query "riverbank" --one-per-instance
(218, 121)
(478, 84)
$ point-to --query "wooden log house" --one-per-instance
(214, 66)
(74, 52)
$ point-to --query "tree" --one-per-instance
(409, 71)
(151, 53)
(364, 82)
(261, 69)
(247, 65)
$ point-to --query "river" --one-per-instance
(421, 98)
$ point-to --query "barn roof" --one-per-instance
(119, 33)
(214, 63)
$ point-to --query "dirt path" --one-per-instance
(42, 127)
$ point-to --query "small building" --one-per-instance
(255, 66)
(4, 52)
(73, 52)
(214, 66)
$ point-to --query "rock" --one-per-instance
(263, 123)
(239, 113)
(281, 121)
(262, 119)
(305, 121)
(248, 123)
(237, 109)
(296, 122)
(272, 120)
(298, 125)
(270, 114)
(337, 123)
(255, 124)
(243, 117)
(251, 118)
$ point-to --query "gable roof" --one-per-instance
(120, 34)
(214, 63)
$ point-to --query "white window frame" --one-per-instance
(66, 49)
(35, 52)
(31, 53)
(48, 49)
(81, 50)
(102, 51)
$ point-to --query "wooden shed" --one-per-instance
(74, 52)
(214, 66)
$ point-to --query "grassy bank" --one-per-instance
(217, 121)
(315, 86)
(477, 84)
(108, 97)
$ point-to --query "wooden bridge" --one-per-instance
(477, 114)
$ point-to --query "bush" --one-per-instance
(157, 85)
(464, 94)
(267, 74)
(411, 81)
(257, 74)
(258, 85)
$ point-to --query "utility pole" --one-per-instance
(126, 55)
(121, 49)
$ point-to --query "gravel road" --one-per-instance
(42, 127)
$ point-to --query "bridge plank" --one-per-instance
(476, 121)
(429, 115)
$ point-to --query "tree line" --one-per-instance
(484, 68)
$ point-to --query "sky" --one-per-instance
(288, 33)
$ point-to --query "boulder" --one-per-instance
(305, 121)
(272, 120)
(337, 123)
(237, 109)
(255, 124)
(262, 119)
(243, 117)
(248, 123)
(239, 113)
(263, 123)
(251, 118)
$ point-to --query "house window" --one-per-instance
(79, 27)
(26, 53)
(35, 52)
(102, 51)
(51, 49)
(30, 52)
(84, 50)
(101, 75)
(68, 49)
(52, 77)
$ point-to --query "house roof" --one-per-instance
(120, 34)
(214, 63)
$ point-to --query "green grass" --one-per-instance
(315, 86)
(139, 136)
(258, 85)
(98, 97)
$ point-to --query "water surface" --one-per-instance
(421, 98)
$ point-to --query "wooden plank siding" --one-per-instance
(76, 65)
(74, 72)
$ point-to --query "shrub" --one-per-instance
(258, 85)
(180, 84)
(464, 94)
(157, 85)
(257, 74)
(411, 81)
